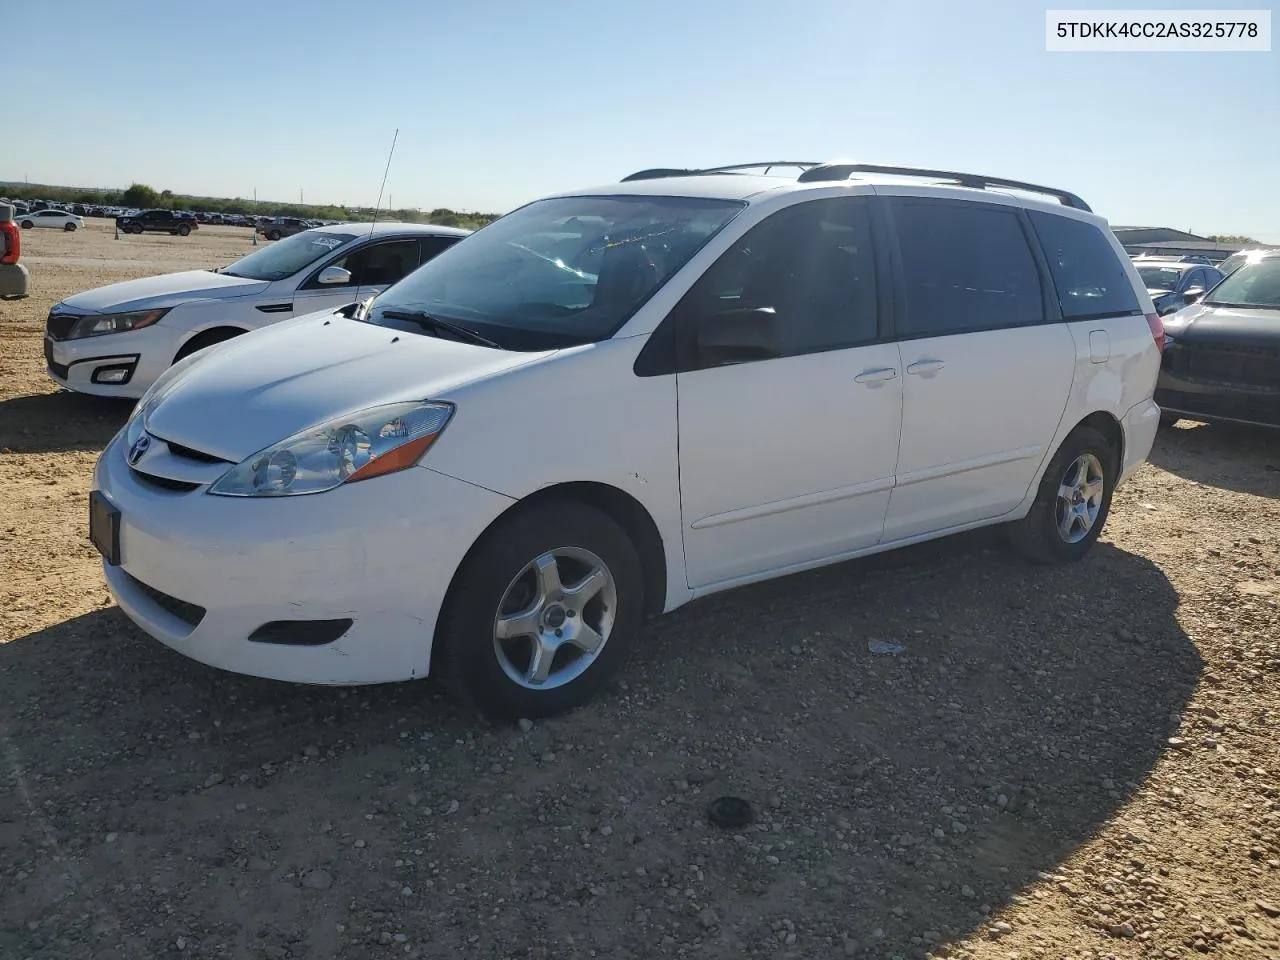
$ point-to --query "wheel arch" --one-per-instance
(208, 336)
(1106, 424)
(618, 505)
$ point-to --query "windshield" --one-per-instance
(1253, 285)
(286, 257)
(1160, 278)
(558, 272)
(1233, 261)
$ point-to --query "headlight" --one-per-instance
(366, 444)
(97, 325)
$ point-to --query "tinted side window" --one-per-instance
(1090, 280)
(431, 246)
(381, 263)
(965, 267)
(813, 263)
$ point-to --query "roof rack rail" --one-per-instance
(660, 172)
(842, 171)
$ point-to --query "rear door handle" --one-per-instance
(926, 368)
(876, 376)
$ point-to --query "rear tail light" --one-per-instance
(11, 246)
(1157, 330)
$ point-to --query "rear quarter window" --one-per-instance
(1089, 278)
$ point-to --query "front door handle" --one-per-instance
(926, 368)
(876, 376)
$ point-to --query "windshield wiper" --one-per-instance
(1241, 306)
(429, 322)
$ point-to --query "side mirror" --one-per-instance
(738, 335)
(1192, 295)
(334, 275)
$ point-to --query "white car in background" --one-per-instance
(54, 219)
(610, 402)
(115, 341)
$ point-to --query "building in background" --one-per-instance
(1167, 242)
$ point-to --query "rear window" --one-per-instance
(1089, 277)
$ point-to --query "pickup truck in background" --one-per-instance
(158, 221)
(13, 275)
(284, 227)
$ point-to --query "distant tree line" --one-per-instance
(141, 196)
(1231, 238)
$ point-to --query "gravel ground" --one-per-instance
(1069, 762)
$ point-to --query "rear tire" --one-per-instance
(1073, 500)
(206, 339)
(505, 577)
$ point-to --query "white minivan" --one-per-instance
(612, 401)
(114, 341)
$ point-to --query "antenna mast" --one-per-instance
(374, 222)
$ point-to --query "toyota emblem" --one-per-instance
(140, 446)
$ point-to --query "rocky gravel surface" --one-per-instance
(1060, 763)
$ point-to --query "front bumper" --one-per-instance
(1218, 403)
(380, 553)
(85, 365)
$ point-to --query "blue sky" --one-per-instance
(500, 101)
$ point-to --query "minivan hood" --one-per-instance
(166, 290)
(265, 386)
(1234, 326)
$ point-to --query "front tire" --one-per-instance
(27, 224)
(273, 235)
(136, 228)
(542, 613)
(70, 228)
(1073, 500)
(184, 230)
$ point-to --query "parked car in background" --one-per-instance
(157, 221)
(1173, 284)
(1239, 259)
(13, 274)
(1222, 355)
(116, 340)
(500, 466)
(279, 227)
(53, 219)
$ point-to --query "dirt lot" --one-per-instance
(1078, 762)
